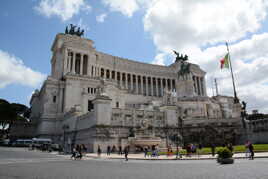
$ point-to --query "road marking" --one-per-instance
(35, 160)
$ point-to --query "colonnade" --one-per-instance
(77, 63)
(137, 84)
(199, 86)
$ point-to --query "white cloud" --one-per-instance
(250, 66)
(127, 8)
(159, 59)
(65, 9)
(185, 23)
(13, 71)
(101, 17)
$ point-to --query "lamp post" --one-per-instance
(179, 129)
(64, 127)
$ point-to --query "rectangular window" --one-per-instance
(117, 104)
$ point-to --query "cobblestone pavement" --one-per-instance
(39, 165)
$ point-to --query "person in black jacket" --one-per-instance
(126, 150)
(251, 150)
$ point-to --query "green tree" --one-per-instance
(10, 113)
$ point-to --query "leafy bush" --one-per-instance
(224, 153)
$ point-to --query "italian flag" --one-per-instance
(225, 61)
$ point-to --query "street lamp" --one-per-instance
(179, 136)
(64, 127)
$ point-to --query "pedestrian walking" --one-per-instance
(157, 151)
(199, 150)
(113, 149)
(99, 151)
(251, 150)
(247, 153)
(213, 149)
(145, 152)
(79, 151)
(108, 150)
(230, 147)
(73, 153)
(120, 150)
(126, 150)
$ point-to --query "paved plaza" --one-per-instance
(16, 163)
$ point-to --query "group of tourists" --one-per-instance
(114, 150)
(77, 151)
(154, 151)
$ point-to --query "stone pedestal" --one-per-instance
(102, 109)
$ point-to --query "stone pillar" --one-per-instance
(120, 80)
(166, 82)
(152, 86)
(131, 82)
(93, 70)
(81, 64)
(146, 87)
(198, 86)
(74, 59)
(104, 73)
(142, 85)
(161, 87)
(115, 76)
(137, 84)
(157, 89)
(204, 87)
(66, 59)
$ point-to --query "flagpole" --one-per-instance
(236, 100)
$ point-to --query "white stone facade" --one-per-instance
(92, 92)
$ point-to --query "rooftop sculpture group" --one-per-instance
(180, 57)
(185, 67)
(73, 30)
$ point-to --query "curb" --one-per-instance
(165, 159)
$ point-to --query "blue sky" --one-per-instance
(142, 30)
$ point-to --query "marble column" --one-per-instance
(120, 80)
(152, 87)
(198, 85)
(81, 64)
(137, 84)
(147, 89)
(161, 87)
(157, 88)
(166, 84)
(66, 59)
(142, 85)
(202, 87)
(131, 82)
(73, 66)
